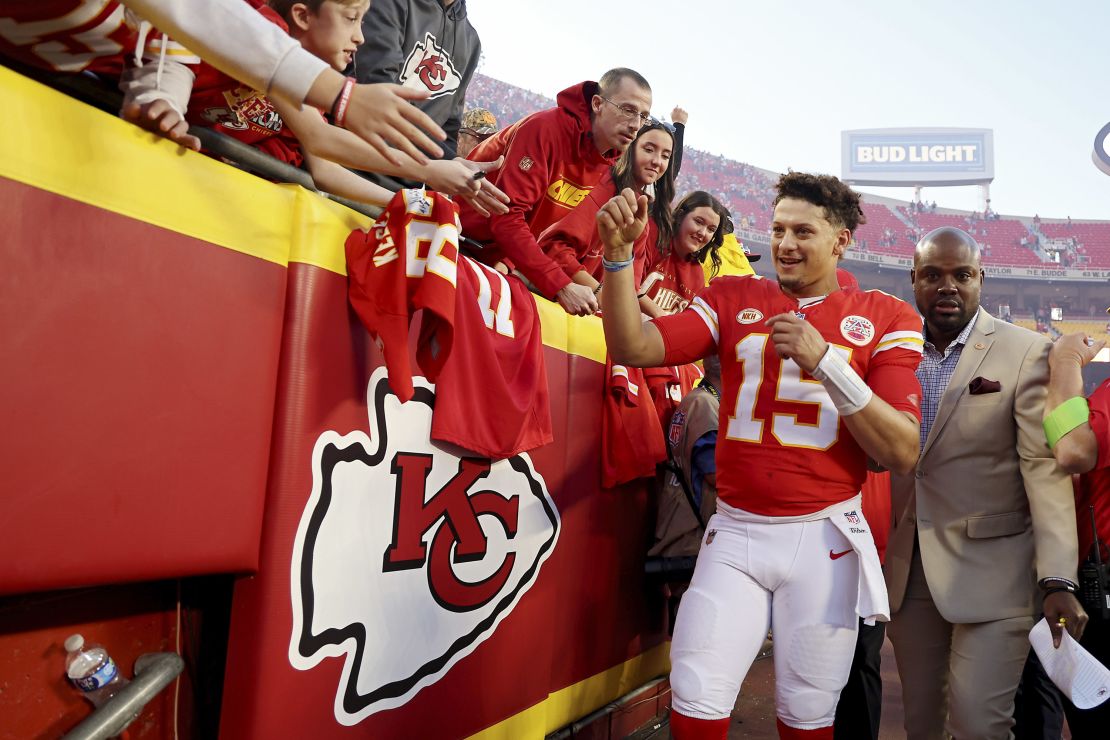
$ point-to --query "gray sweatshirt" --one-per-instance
(423, 45)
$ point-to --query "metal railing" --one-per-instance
(153, 672)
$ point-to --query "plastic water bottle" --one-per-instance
(92, 670)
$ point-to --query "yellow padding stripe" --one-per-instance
(63, 146)
(574, 702)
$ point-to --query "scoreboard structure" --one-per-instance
(917, 157)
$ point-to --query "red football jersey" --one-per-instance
(407, 261)
(492, 393)
(782, 449)
(631, 437)
(479, 336)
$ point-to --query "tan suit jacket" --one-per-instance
(992, 510)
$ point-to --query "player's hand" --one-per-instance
(1063, 611)
(488, 198)
(679, 115)
(1074, 348)
(796, 339)
(159, 117)
(383, 115)
(577, 300)
(620, 222)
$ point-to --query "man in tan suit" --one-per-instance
(985, 516)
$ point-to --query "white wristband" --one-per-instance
(844, 385)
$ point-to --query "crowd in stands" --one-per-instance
(550, 189)
(746, 191)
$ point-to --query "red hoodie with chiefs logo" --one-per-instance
(551, 165)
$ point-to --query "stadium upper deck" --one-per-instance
(747, 191)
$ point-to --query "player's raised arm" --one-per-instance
(889, 437)
(630, 341)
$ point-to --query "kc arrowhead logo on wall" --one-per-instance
(409, 553)
(429, 67)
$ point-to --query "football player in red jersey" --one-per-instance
(816, 380)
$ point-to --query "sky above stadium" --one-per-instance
(774, 83)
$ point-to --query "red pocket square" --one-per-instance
(982, 385)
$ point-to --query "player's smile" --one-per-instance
(805, 247)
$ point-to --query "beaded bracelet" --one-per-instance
(617, 265)
(339, 107)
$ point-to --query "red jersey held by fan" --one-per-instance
(631, 439)
(782, 449)
(479, 338)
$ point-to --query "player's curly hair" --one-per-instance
(841, 203)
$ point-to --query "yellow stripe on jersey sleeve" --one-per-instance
(910, 340)
(709, 316)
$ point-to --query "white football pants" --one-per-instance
(801, 580)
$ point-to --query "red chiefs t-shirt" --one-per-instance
(223, 103)
(1093, 488)
(782, 449)
(673, 282)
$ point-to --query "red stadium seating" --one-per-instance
(748, 191)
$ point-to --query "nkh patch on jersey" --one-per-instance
(409, 554)
(429, 67)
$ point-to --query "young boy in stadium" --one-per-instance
(816, 380)
(95, 36)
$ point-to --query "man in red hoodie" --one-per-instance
(552, 160)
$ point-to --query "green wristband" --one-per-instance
(1065, 417)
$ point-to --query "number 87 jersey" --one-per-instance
(782, 448)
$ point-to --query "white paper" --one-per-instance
(1074, 670)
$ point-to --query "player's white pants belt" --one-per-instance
(846, 516)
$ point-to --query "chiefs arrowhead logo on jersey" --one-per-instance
(429, 67)
(857, 330)
(409, 554)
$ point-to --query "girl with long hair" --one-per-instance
(698, 228)
(646, 167)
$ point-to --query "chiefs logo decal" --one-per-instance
(409, 553)
(857, 329)
(429, 67)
